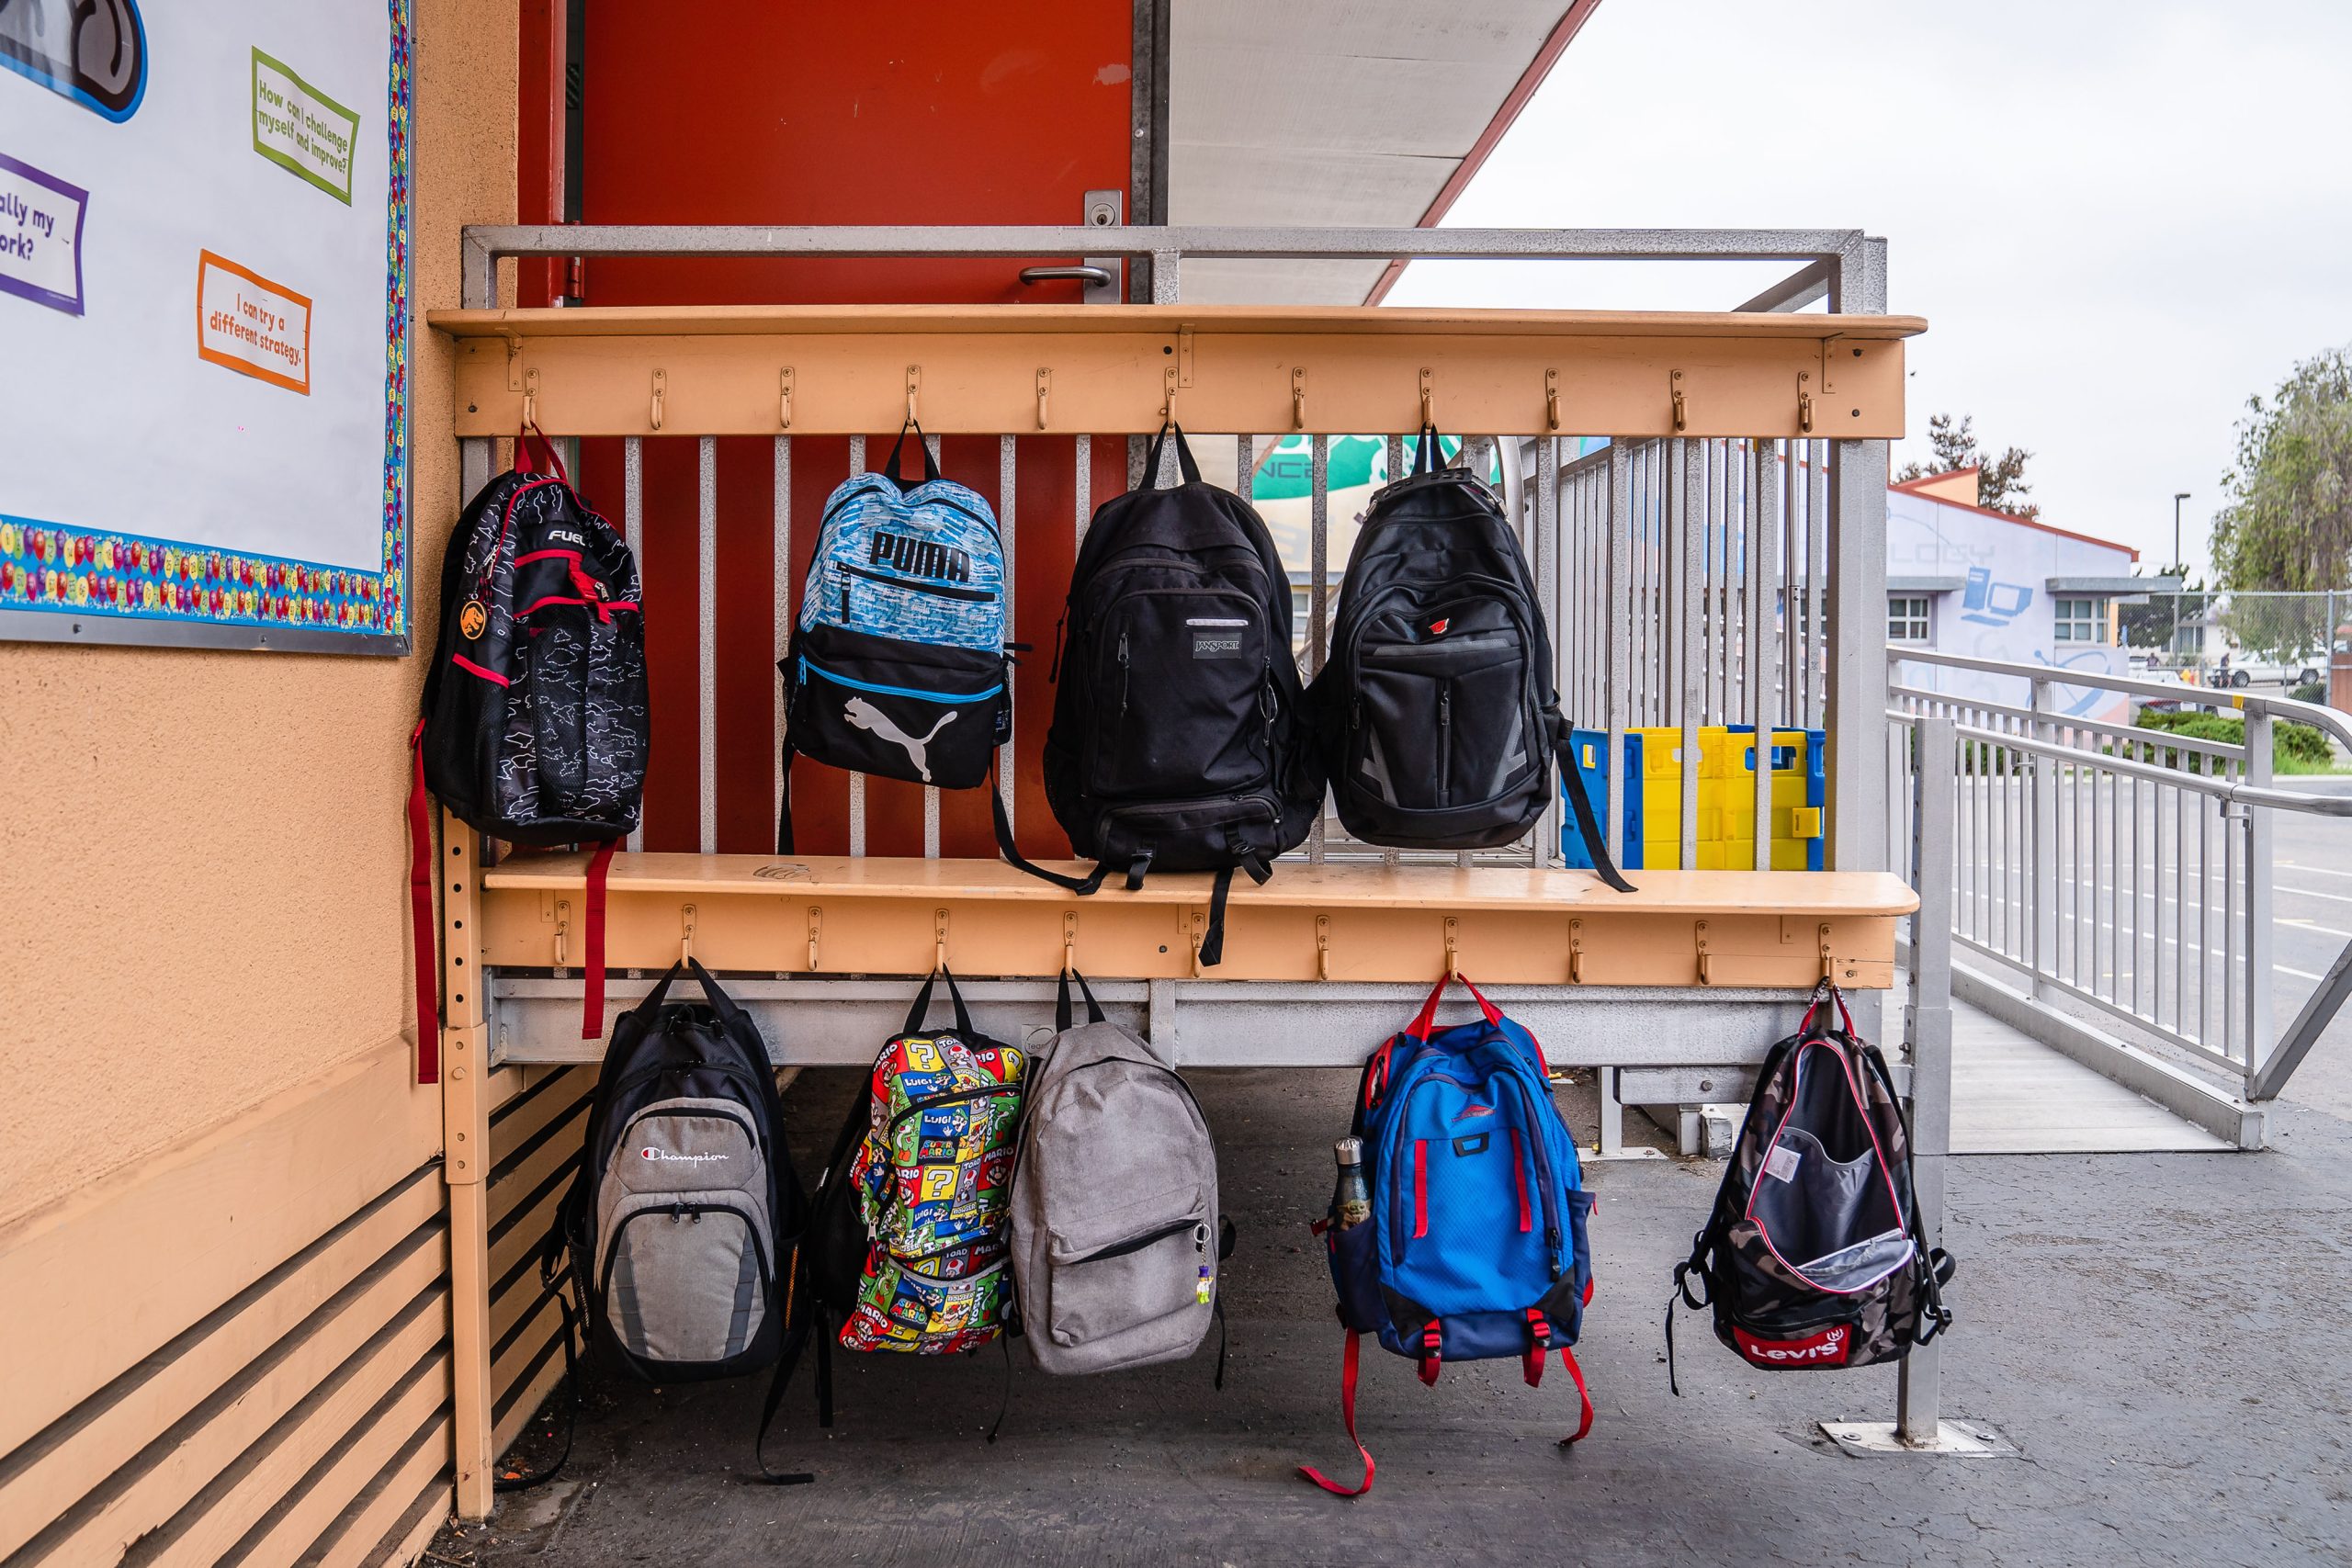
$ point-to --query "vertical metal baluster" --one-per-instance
(1007, 453)
(1395, 472)
(706, 630)
(633, 528)
(1549, 552)
(1816, 529)
(1759, 637)
(857, 781)
(780, 637)
(1691, 692)
(931, 792)
(1619, 523)
(1319, 586)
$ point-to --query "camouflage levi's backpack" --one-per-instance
(1814, 1255)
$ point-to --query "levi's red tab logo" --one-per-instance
(1437, 629)
(1827, 1349)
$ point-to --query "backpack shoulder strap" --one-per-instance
(1596, 844)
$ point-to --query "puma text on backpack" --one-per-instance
(683, 1222)
(1476, 1244)
(1178, 741)
(898, 660)
(1814, 1255)
(1115, 1234)
(1436, 711)
(535, 728)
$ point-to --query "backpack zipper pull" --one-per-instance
(1206, 1278)
(1053, 670)
(1123, 674)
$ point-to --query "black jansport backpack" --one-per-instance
(683, 1224)
(1814, 1255)
(1179, 740)
(535, 727)
(1436, 711)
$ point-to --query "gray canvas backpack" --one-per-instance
(1117, 1238)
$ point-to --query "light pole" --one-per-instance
(2179, 565)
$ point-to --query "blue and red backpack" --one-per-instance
(1475, 1246)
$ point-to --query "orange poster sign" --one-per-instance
(252, 325)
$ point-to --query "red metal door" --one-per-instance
(925, 113)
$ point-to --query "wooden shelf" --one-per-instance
(754, 913)
(1236, 368)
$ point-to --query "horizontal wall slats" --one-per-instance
(115, 1272)
(415, 1478)
(310, 1385)
(77, 1453)
(419, 1400)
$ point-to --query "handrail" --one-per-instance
(2321, 718)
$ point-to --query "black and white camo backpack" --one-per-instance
(535, 725)
(1814, 1255)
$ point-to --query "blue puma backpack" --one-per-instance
(1476, 1244)
(898, 665)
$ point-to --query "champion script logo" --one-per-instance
(671, 1157)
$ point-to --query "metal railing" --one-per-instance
(2126, 869)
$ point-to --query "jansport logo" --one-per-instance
(1827, 1349)
(650, 1152)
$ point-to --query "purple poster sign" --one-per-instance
(40, 236)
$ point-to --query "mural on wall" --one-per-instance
(204, 242)
(2003, 609)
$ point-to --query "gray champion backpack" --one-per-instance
(1115, 1234)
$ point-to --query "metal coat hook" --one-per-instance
(531, 396)
(939, 933)
(562, 932)
(661, 391)
(914, 385)
(784, 397)
(1044, 388)
(1199, 922)
(1828, 964)
(816, 929)
(1069, 942)
(1575, 952)
(1298, 397)
(1699, 935)
(1804, 403)
(685, 933)
(1453, 949)
(1429, 402)
(1552, 401)
(1322, 947)
(1681, 412)
(1168, 407)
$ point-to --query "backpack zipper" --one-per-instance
(955, 1096)
(1200, 1229)
(979, 595)
(1124, 671)
(1445, 740)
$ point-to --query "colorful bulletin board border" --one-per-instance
(50, 566)
(59, 569)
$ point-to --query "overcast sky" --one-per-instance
(2120, 219)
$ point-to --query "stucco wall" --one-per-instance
(203, 860)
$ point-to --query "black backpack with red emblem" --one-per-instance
(1814, 1255)
(1436, 711)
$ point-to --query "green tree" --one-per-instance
(2001, 479)
(2150, 624)
(2287, 526)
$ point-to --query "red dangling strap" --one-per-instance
(1432, 1360)
(1539, 1339)
(1348, 1414)
(420, 909)
(1583, 1424)
(592, 992)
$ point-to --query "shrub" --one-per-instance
(2296, 747)
(2315, 692)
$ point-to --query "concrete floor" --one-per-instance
(2163, 1335)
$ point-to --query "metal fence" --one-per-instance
(2122, 868)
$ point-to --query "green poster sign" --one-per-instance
(301, 129)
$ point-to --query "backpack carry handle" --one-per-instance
(889, 469)
(523, 437)
(1827, 991)
(916, 1014)
(1061, 1002)
(1419, 1028)
(1425, 450)
(1184, 463)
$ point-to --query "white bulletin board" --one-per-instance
(203, 304)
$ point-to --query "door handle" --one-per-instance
(1093, 276)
